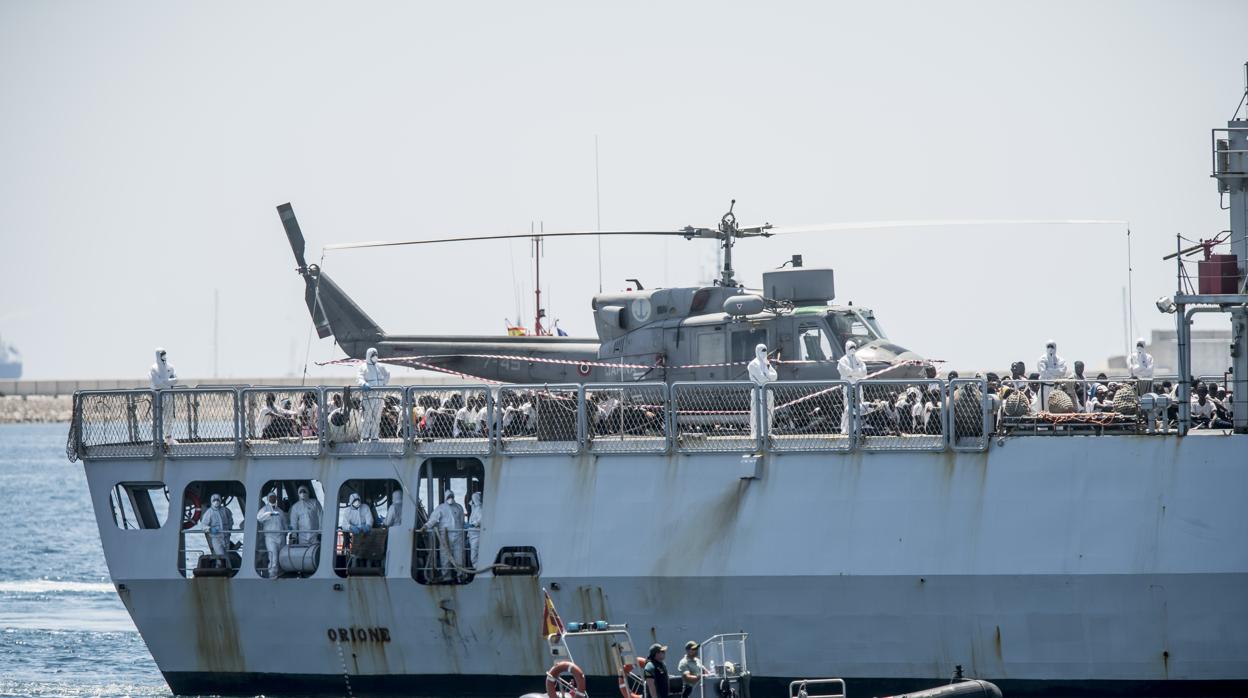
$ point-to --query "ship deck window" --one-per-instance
(139, 505)
(363, 531)
(448, 551)
(212, 537)
(289, 546)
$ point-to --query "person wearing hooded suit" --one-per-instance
(1141, 365)
(474, 529)
(163, 377)
(372, 375)
(447, 524)
(761, 373)
(272, 522)
(305, 518)
(852, 370)
(1051, 368)
(217, 522)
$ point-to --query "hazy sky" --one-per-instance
(144, 146)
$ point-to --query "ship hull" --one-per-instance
(1106, 565)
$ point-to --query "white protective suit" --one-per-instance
(474, 529)
(163, 377)
(305, 518)
(1141, 365)
(1141, 362)
(447, 524)
(852, 369)
(761, 373)
(359, 517)
(372, 375)
(1051, 367)
(217, 522)
(272, 521)
(394, 517)
(162, 374)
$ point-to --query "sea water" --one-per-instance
(63, 631)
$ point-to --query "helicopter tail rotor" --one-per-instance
(324, 298)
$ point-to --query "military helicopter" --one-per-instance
(697, 333)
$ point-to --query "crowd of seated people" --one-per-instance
(277, 420)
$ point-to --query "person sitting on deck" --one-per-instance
(275, 422)
(1202, 408)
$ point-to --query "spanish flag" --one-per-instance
(552, 624)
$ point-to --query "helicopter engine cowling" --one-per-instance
(745, 304)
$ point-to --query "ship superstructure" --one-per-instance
(880, 530)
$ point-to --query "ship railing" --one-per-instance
(803, 416)
(625, 417)
(900, 415)
(602, 419)
(200, 422)
(365, 422)
(715, 417)
(444, 555)
(455, 420)
(197, 561)
(539, 419)
(281, 421)
(1227, 162)
(115, 424)
(361, 554)
(970, 414)
(1072, 406)
(805, 688)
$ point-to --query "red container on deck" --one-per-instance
(1219, 274)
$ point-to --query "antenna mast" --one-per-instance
(538, 312)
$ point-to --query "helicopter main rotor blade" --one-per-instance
(358, 245)
(932, 223)
(293, 233)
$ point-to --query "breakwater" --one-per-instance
(35, 409)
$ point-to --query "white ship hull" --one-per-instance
(1101, 564)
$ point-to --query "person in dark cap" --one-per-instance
(690, 669)
(656, 672)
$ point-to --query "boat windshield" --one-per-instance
(856, 325)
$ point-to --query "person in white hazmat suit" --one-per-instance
(761, 373)
(1051, 368)
(305, 518)
(852, 370)
(272, 521)
(359, 517)
(1141, 365)
(447, 524)
(474, 529)
(394, 516)
(163, 377)
(217, 522)
(372, 375)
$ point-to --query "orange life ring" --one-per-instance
(552, 679)
(624, 692)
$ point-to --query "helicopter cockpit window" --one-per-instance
(869, 318)
(850, 325)
(813, 342)
(744, 342)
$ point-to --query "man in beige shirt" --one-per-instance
(690, 669)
